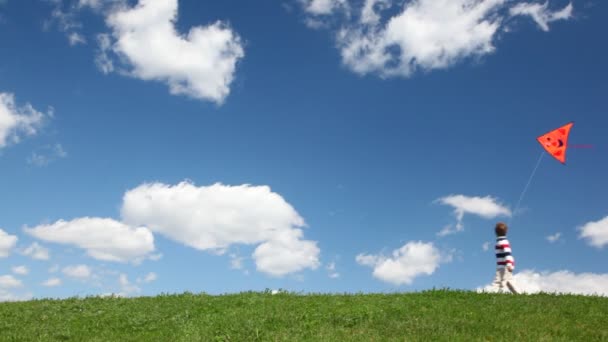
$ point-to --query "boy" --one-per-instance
(505, 263)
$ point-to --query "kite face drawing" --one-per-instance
(556, 142)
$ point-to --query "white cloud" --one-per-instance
(36, 252)
(369, 13)
(596, 233)
(126, 287)
(286, 253)
(78, 271)
(9, 282)
(421, 34)
(427, 34)
(51, 282)
(553, 238)
(15, 121)
(54, 269)
(65, 19)
(529, 281)
(486, 246)
(21, 270)
(150, 277)
(323, 7)
(212, 218)
(541, 14)
(112, 294)
(100, 6)
(412, 260)
(449, 229)
(103, 60)
(156, 257)
(368, 259)
(200, 64)
(485, 207)
(6, 296)
(47, 154)
(331, 270)
(102, 238)
(76, 38)
(315, 23)
(95, 4)
(7, 243)
(236, 262)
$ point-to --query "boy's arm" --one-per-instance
(510, 259)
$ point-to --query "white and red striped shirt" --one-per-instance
(504, 258)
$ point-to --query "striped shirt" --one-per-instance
(503, 253)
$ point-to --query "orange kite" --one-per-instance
(556, 142)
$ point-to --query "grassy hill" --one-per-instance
(438, 315)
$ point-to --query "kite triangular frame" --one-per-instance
(556, 142)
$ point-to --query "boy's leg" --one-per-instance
(497, 283)
(509, 281)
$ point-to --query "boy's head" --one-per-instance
(501, 229)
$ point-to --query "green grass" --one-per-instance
(438, 315)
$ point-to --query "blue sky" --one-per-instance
(308, 145)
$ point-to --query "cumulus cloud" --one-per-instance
(236, 262)
(422, 34)
(150, 277)
(285, 253)
(20, 270)
(78, 271)
(541, 13)
(485, 207)
(94, 4)
(52, 282)
(9, 282)
(331, 270)
(553, 238)
(212, 218)
(450, 229)
(126, 287)
(46, 155)
(412, 260)
(324, 7)
(76, 38)
(486, 246)
(102, 238)
(36, 252)
(200, 64)
(530, 281)
(65, 19)
(6, 296)
(7, 243)
(17, 121)
(371, 8)
(596, 233)
(103, 60)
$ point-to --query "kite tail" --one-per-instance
(523, 193)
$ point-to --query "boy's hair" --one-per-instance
(501, 229)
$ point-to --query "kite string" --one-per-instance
(523, 193)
